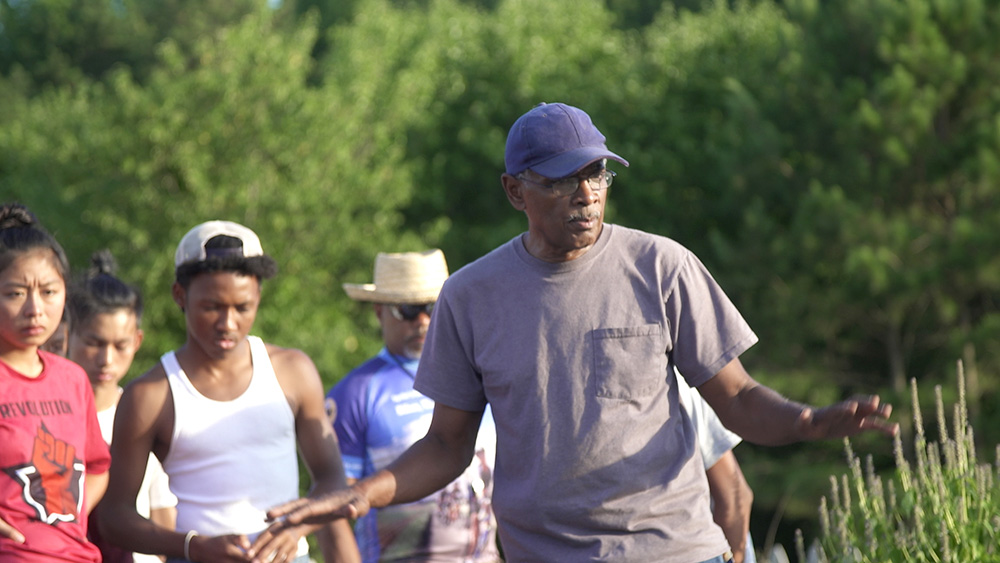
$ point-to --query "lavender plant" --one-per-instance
(942, 507)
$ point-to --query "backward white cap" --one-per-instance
(192, 246)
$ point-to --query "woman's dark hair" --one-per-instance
(20, 232)
(262, 267)
(98, 291)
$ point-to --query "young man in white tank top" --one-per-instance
(224, 414)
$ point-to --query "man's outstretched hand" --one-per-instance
(345, 503)
(847, 418)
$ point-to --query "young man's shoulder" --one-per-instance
(150, 386)
(147, 402)
(156, 373)
(288, 358)
(296, 372)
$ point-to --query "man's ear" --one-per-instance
(378, 308)
(179, 295)
(514, 189)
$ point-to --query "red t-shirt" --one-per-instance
(49, 440)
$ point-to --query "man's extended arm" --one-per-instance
(762, 416)
(318, 444)
(427, 466)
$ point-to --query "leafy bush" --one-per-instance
(942, 508)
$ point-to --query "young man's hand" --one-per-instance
(231, 548)
(278, 543)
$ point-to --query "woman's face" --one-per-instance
(32, 297)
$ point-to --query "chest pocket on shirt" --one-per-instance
(630, 362)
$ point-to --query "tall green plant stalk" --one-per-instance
(942, 507)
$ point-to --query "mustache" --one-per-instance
(584, 216)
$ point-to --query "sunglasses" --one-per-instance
(410, 312)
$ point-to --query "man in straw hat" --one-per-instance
(570, 332)
(378, 415)
(224, 414)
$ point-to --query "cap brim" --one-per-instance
(572, 161)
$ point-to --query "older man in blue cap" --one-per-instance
(571, 332)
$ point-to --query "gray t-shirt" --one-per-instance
(594, 458)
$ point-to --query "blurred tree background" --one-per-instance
(836, 165)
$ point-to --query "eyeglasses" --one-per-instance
(600, 180)
(410, 312)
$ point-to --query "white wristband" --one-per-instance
(187, 544)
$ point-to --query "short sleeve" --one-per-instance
(706, 328)
(446, 373)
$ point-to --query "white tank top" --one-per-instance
(230, 461)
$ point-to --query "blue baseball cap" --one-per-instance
(555, 140)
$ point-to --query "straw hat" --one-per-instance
(403, 277)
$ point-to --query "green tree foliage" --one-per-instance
(636, 14)
(51, 43)
(699, 125)
(462, 76)
(898, 175)
(236, 137)
(59, 42)
(834, 164)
